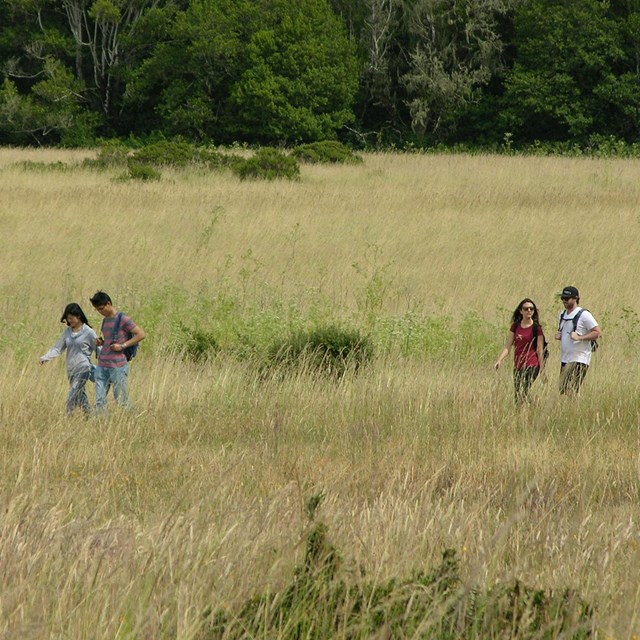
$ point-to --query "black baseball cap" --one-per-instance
(570, 292)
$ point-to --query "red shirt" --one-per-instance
(525, 349)
(109, 358)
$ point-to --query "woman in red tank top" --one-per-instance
(526, 335)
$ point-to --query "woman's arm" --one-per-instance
(55, 351)
(89, 348)
(505, 351)
(540, 350)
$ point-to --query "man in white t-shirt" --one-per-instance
(575, 343)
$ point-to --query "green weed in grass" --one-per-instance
(268, 164)
(322, 602)
(140, 171)
(195, 344)
(329, 349)
(42, 167)
(326, 152)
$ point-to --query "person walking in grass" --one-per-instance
(527, 336)
(79, 341)
(119, 332)
(577, 331)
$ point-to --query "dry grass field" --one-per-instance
(133, 526)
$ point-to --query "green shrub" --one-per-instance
(320, 604)
(328, 349)
(608, 147)
(236, 163)
(267, 164)
(111, 154)
(415, 335)
(194, 344)
(43, 167)
(476, 338)
(214, 159)
(167, 153)
(326, 152)
(140, 171)
(181, 154)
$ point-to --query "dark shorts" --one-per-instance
(572, 376)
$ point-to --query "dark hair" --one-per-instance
(74, 309)
(100, 298)
(516, 318)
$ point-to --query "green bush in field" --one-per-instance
(43, 167)
(167, 153)
(182, 154)
(329, 349)
(476, 337)
(195, 344)
(415, 335)
(163, 153)
(434, 604)
(326, 152)
(140, 171)
(466, 338)
(267, 164)
(216, 160)
(112, 153)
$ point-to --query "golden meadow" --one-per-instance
(132, 527)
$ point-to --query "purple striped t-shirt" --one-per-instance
(109, 358)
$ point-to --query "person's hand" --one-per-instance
(42, 362)
(497, 364)
(559, 335)
(119, 349)
(575, 336)
(99, 342)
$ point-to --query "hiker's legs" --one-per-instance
(522, 380)
(572, 375)
(103, 384)
(120, 379)
(78, 392)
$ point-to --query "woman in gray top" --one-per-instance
(79, 340)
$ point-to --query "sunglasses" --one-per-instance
(527, 308)
(564, 298)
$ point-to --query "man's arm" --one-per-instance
(137, 335)
(594, 334)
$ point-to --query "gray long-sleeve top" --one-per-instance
(79, 347)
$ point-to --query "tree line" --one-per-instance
(369, 72)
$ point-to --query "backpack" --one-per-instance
(545, 344)
(130, 352)
(594, 343)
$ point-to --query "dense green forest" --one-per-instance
(372, 73)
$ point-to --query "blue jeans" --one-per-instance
(105, 378)
(78, 392)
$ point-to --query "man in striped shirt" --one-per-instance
(118, 333)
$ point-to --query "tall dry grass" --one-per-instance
(135, 525)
